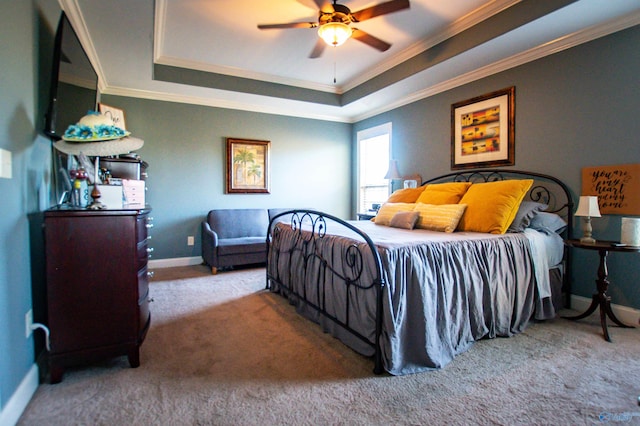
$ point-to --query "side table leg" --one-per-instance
(595, 302)
(603, 322)
(610, 314)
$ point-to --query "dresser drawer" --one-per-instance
(143, 283)
(143, 224)
(144, 317)
(142, 253)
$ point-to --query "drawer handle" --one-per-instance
(150, 219)
(150, 300)
(149, 225)
(150, 274)
(149, 250)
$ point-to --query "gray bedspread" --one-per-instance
(443, 290)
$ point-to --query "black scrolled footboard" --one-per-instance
(310, 227)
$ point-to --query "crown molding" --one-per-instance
(72, 10)
(469, 20)
(276, 108)
(237, 72)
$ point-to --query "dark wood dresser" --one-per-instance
(97, 285)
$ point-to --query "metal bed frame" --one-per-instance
(546, 189)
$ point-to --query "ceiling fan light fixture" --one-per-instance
(335, 33)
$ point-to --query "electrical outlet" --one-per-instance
(28, 322)
(190, 240)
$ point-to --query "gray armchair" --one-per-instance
(233, 237)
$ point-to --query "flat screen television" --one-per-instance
(74, 82)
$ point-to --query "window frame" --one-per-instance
(369, 133)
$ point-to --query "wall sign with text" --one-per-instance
(617, 187)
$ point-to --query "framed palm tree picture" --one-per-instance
(247, 166)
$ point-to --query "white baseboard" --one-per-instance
(625, 314)
(176, 261)
(11, 412)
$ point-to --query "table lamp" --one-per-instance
(587, 208)
(393, 172)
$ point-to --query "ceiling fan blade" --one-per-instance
(324, 5)
(318, 49)
(289, 25)
(380, 9)
(372, 41)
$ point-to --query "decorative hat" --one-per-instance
(100, 149)
(95, 135)
(94, 127)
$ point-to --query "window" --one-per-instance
(374, 148)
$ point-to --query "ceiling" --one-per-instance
(210, 52)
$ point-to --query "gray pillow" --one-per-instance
(526, 212)
(404, 220)
(544, 221)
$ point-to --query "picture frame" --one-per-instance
(483, 131)
(248, 163)
(116, 114)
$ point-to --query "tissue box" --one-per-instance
(110, 196)
(133, 192)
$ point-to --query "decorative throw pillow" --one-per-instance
(526, 212)
(443, 193)
(406, 195)
(439, 217)
(404, 220)
(388, 210)
(492, 206)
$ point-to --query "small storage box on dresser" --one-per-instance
(97, 285)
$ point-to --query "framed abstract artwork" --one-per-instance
(483, 131)
(248, 166)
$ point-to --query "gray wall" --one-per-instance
(185, 146)
(24, 34)
(575, 109)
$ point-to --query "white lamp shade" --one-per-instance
(393, 173)
(588, 206)
(335, 33)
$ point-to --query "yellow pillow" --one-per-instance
(441, 217)
(406, 195)
(443, 193)
(387, 211)
(492, 206)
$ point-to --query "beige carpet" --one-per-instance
(222, 351)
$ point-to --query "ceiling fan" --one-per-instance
(334, 22)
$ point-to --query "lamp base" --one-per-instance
(587, 240)
(96, 205)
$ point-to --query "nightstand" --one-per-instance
(600, 297)
(367, 216)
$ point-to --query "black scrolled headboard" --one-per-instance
(546, 189)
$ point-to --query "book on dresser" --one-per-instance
(97, 285)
